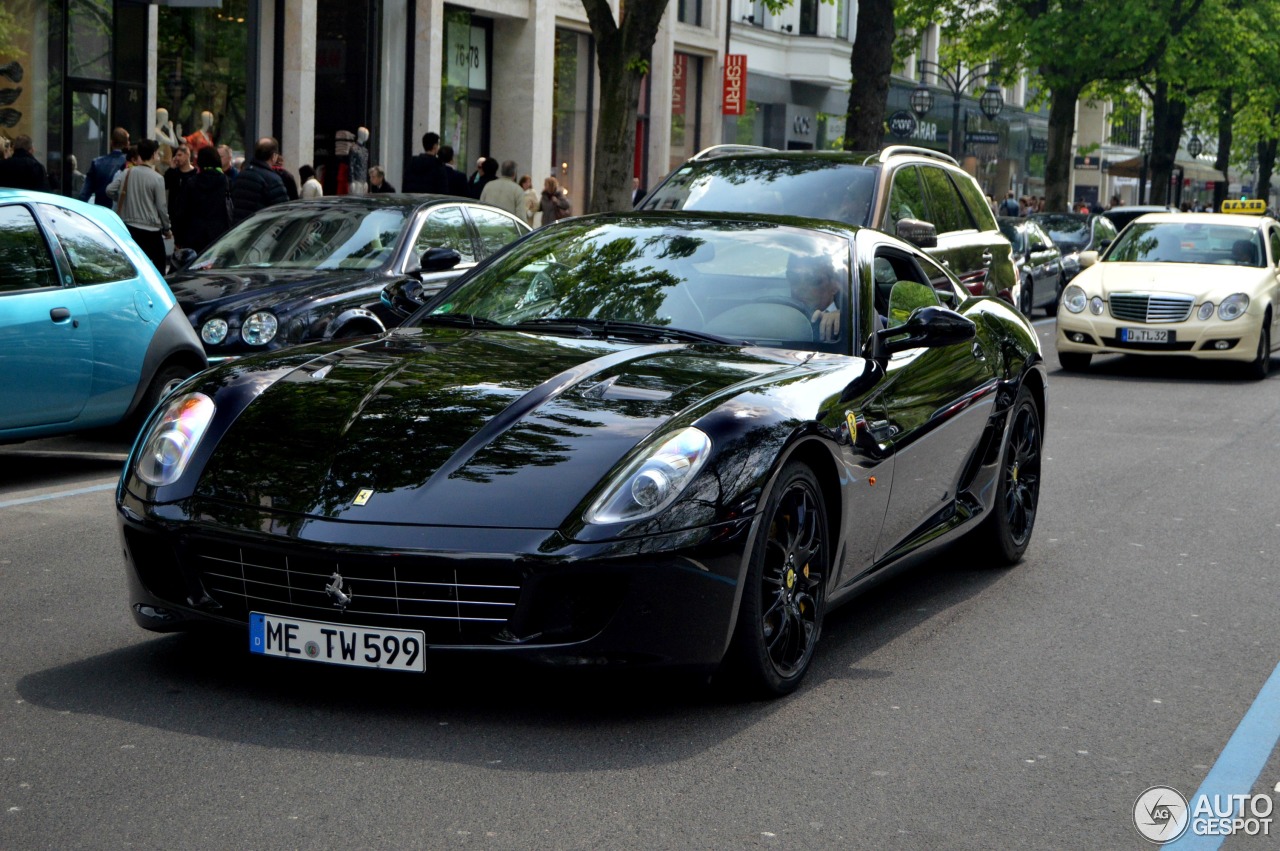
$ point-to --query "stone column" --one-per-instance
(425, 77)
(523, 83)
(297, 123)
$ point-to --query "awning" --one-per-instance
(1132, 167)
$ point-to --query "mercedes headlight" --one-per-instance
(214, 331)
(1073, 299)
(259, 328)
(173, 438)
(1205, 311)
(653, 481)
(1233, 306)
(1095, 305)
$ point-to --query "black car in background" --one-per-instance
(1074, 233)
(316, 269)
(1121, 216)
(917, 194)
(1041, 275)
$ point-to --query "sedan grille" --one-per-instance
(1142, 307)
(453, 602)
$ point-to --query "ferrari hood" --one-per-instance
(257, 288)
(455, 427)
(1191, 279)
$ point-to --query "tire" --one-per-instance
(167, 378)
(1003, 537)
(1074, 361)
(1026, 297)
(1258, 368)
(784, 599)
(1051, 309)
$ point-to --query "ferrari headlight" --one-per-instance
(1205, 311)
(1073, 299)
(1233, 307)
(173, 438)
(1095, 305)
(653, 481)
(259, 328)
(214, 331)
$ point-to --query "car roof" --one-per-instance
(378, 200)
(1237, 219)
(861, 158)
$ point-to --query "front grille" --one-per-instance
(451, 601)
(1142, 307)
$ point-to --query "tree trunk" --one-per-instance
(1266, 165)
(1060, 159)
(623, 56)
(869, 68)
(1168, 111)
(1226, 130)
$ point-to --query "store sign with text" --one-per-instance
(735, 84)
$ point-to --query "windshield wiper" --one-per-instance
(610, 327)
(470, 320)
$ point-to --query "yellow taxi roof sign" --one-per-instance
(1252, 207)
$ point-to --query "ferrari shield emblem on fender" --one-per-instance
(363, 496)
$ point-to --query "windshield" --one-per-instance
(812, 187)
(742, 282)
(1068, 232)
(1011, 232)
(1193, 242)
(309, 238)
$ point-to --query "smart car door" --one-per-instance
(930, 414)
(46, 338)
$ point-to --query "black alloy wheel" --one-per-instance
(1258, 368)
(784, 598)
(1026, 297)
(1007, 531)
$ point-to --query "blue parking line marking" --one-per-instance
(1241, 761)
(59, 495)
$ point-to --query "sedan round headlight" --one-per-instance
(1205, 311)
(173, 438)
(259, 328)
(1074, 299)
(214, 331)
(1095, 305)
(1233, 307)
(653, 481)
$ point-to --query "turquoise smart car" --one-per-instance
(90, 334)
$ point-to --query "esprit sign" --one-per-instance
(735, 84)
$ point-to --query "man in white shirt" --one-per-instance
(504, 193)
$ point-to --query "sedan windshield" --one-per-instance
(1192, 242)
(738, 282)
(1070, 233)
(309, 238)
(815, 188)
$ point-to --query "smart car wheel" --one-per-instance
(1005, 534)
(1258, 368)
(785, 593)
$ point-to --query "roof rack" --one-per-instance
(728, 150)
(894, 150)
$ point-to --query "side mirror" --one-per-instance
(1088, 258)
(1104, 244)
(918, 233)
(182, 258)
(438, 260)
(927, 328)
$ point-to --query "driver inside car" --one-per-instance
(816, 283)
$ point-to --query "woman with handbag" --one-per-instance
(555, 205)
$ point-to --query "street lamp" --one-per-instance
(1195, 146)
(957, 81)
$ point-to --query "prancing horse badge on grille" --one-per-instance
(340, 598)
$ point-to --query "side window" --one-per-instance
(888, 268)
(979, 209)
(496, 230)
(948, 212)
(25, 263)
(948, 290)
(1103, 229)
(906, 199)
(1275, 247)
(1038, 240)
(446, 227)
(94, 256)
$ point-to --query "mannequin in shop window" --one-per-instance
(202, 138)
(168, 136)
(359, 161)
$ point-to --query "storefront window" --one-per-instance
(571, 116)
(686, 103)
(89, 55)
(203, 57)
(466, 88)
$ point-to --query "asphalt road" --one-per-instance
(952, 707)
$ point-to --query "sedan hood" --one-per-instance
(454, 427)
(214, 291)
(1191, 279)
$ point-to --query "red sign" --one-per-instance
(678, 84)
(735, 84)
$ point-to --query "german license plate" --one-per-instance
(337, 644)
(1145, 335)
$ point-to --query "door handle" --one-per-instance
(987, 257)
(59, 314)
(978, 353)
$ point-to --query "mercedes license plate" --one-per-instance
(337, 644)
(1145, 335)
